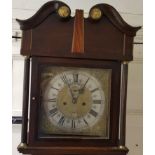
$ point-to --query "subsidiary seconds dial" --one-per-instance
(73, 100)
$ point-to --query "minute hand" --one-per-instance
(82, 89)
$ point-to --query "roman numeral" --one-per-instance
(61, 121)
(64, 79)
(97, 101)
(55, 88)
(51, 100)
(75, 77)
(73, 124)
(94, 90)
(92, 112)
(53, 111)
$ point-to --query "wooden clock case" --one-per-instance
(106, 43)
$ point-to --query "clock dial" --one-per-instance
(75, 101)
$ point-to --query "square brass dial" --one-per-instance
(75, 102)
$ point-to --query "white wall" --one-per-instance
(132, 12)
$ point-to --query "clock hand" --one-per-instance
(82, 89)
(65, 80)
(73, 99)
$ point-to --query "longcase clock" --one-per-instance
(74, 100)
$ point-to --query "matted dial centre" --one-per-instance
(73, 109)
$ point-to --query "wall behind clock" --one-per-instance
(132, 12)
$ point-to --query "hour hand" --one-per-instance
(74, 100)
(75, 95)
(65, 80)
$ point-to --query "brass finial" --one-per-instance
(22, 145)
(64, 11)
(95, 13)
(125, 62)
(124, 148)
